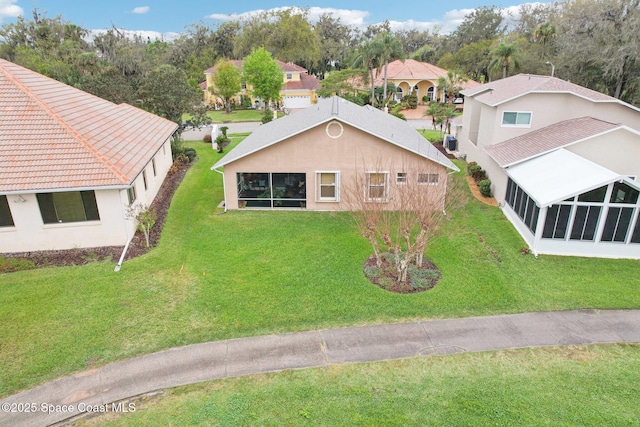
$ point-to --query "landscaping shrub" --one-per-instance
(472, 167)
(423, 278)
(412, 100)
(207, 138)
(479, 175)
(267, 116)
(485, 187)
(372, 272)
(399, 115)
(190, 153)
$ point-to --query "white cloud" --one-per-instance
(141, 10)
(347, 17)
(9, 10)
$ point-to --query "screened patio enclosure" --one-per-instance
(564, 204)
(271, 190)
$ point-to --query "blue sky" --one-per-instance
(169, 17)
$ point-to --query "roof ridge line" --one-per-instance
(63, 123)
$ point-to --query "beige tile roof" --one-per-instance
(499, 91)
(547, 139)
(410, 69)
(53, 136)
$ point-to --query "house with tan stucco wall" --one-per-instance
(72, 163)
(562, 160)
(309, 159)
(298, 87)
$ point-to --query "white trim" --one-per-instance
(367, 186)
(516, 124)
(318, 186)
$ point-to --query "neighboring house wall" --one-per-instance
(618, 151)
(30, 233)
(314, 151)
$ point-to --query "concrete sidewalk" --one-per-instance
(271, 353)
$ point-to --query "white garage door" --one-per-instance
(297, 101)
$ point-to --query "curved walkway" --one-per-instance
(235, 357)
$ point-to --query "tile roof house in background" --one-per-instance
(298, 87)
(308, 159)
(563, 161)
(411, 76)
(71, 163)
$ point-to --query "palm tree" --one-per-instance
(451, 83)
(367, 58)
(389, 49)
(433, 111)
(544, 32)
(505, 56)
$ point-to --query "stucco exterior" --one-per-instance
(30, 233)
(314, 151)
(601, 133)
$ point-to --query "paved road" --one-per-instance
(231, 358)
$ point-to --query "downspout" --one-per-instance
(224, 188)
(129, 238)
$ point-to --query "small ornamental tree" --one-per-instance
(227, 82)
(145, 218)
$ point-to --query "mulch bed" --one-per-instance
(388, 282)
(137, 247)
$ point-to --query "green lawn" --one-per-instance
(216, 276)
(235, 116)
(577, 386)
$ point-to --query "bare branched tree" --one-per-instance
(398, 208)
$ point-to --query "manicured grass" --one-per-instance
(216, 276)
(432, 135)
(221, 116)
(586, 386)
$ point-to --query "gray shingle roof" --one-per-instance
(368, 119)
(549, 138)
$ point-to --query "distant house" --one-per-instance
(71, 163)
(415, 77)
(305, 160)
(298, 87)
(563, 161)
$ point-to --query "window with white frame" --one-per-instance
(428, 178)
(153, 165)
(516, 118)
(144, 179)
(377, 186)
(401, 178)
(328, 186)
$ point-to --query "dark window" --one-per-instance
(131, 194)
(622, 193)
(596, 195)
(72, 206)
(585, 222)
(555, 226)
(153, 165)
(617, 224)
(635, 237)
(6, 220)
(510, 192)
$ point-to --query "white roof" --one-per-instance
(558, 175)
